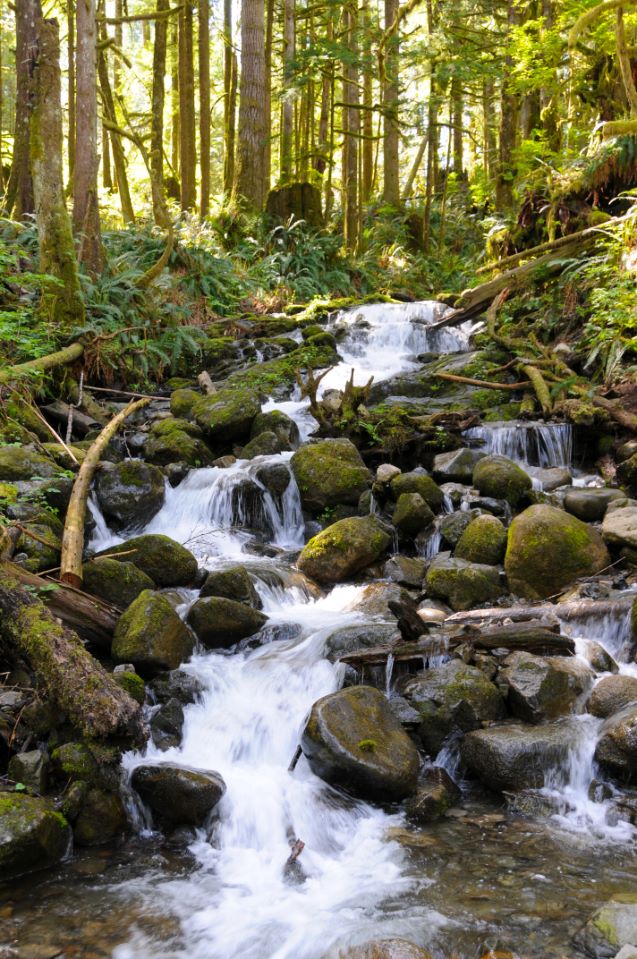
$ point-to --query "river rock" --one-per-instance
(176, 794)
(114, 580)
(129, 493)
(453, 525)
(610, 929)
(537, 688)
(452, 698)
(616, 749)
(31, 769)
(20, 463)
(151, 635)
(265, 444)
(166, 724)
(418, 482)
(548, 549)
(386, 949)
(177, 684)
(483, 541)
(100, 819)
(457, 466)
(552, 478)
(598, 657)
(226, 415)
(174, 440)
(166, 562)
(411, 514)
(329, 473)
(385, 473)
(500, 478)
(343, 549)
(515, 756)
(275, 477)
(277, 422)
(436, 793)
(32, 835)
(350, 639)
(220, 623)
(612, 694)
(231, 583)
(462, 584)
(627, 474)
(590, 505)
(353, 740)
(620, 527)
(405, 570)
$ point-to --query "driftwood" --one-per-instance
(485, 384)
(61, 358)
(206, 383)
(575, 609)
(532, 637)
(82, 422)
(419, 651)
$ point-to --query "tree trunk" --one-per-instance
(119, 159)
(175, 137)
(229, 99)
(457, 122)
(287, 117)
(86, 217)
(489, 143)
(187, 108)
(253, 122)
(107, 176)
(20, 196)
(351, 129)
(55, 235)
(509, 112)
(625, 66)
(157, 106)
(269, 40)
(367, 174)
(391, 172)
(204, 104)
(70, 26)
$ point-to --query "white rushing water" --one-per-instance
(531, 444)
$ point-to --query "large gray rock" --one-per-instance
(610, 929)
(343, 549)
(461, 584)
(166, 562)
(232, 583)
(220, 623)
(590, 505)
(348, 639)
(612, 694)
(32, 835)
(616, 748)
(129, 493)
(178, 795)
(151, 635)
(452, 698)
(538, 688)
(353, 740)
(456, 466)
(329, 473)
(501, 478)
(515, 756)
(620, 527)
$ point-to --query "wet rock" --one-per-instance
(129, 493)
(537, 689)
(612, 694)
(178, 685)
(178, 795)
(226, 415)
(429, 612)
(627, 474)
(411, 514)
(30, 769)
(456, 466)
(32, 835)
(343, 549)
(284, 428)
(548, 549)
(597, 657)
(418, 482)
(175, 440)
(611, 928)
(75, 762)
(385, 473)
(453, 525)
(275, 477)
(232, 583)
(500, 478)
(349, 639)
(114, 580)
(386, 949)
(620, 527)
(182, 402)
(406, 570)
(265, 444)
(220, 623)
(100, 819)
(21, 463)
(353, 740)
(462, 584)
(590, 505)
(436, 793)
(166, 725)
(553, 478)
(515, 756)
(166, 562)
(452, 698)
(151, 635)
(42, 552)
(616, 749)
(329, 473)
(483, 541)
(133, 684)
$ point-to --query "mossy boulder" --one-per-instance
(548, 549)
(101, 818)
(75, 762)
(537, 688)
(166, 562)
(228, 414)
(616, 749)
(114, 580)
(483, 541)
(501, 478)
(176, 440)
(32, 835)
(151, 635)
(231, 583)
(42, 552)
(353, 740)
(31, 769)
(416, 482)
(277, 422)
(220, 623)
(21, 463)
(461, 584)
(452, 698)
(182, 403)
(453, 525)
(329, 473)
(343, 549)
(612, 694)
(129, 493)
(411, 514)
(132, 684)
(177, 795)
(265, 444)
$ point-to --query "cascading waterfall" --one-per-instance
(532, 444)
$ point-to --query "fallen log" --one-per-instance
(485, 384)
(532, 637)
(418, 651)
(44, 363)
(573, 609)
(83, 423)
(77, 683)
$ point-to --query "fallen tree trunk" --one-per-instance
(575, 609)
(485, 384)
(83, 423)
(531, 637)
(73, 536)
(61, 358)
(77, 683)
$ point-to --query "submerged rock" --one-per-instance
(483, 541)
(166, 562)
(178, 795)
(462, 584)
(151, 635)
(386, 949)
(616, 748)
(232, 583)
(32, 835)
(220, 622)
(343, 549)
(353, 740)
(515, 756)
(612, 694)
(329, 473)
(500, 478)
(436, 793)
(612, 927)
(114, 580)
(130, 493)
(416, 482)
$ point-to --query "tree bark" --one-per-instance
(187, 108)
(367, 172)
(119, 159)
(351, 129)
(229, 100)
(70, 26)
(253, 122)
(287, 113)
(86, 217)
(157, 105)
(20, 193)
(457, 109)
(204, 104)
(391, 171)
(60, 358)
(509, 110)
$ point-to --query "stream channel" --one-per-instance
(485, 876)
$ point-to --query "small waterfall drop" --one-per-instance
(545, 445)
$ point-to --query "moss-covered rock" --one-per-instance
(166, 562)
(220, 623)
(101, 818)
(178, 795)
(182, 402)
(462, 584)
(133, 684)
(610, 928)
(32, 835)
(21, 463)
(278, 423)
(453, 525)
(537, 688)
(41, 541)
(343, 549)
(616, 749)
(176, 440)
(411, 514)
(501, 478)
(418, 483)
(129, 493)
(31, 769)
(232, 583)
(353, 740)
(548, 549)
(151, 635)
(228, 414)
(329, 473)
(483, 541)
(114, 580)
(265, 444)
(436, 794)
(75, 762)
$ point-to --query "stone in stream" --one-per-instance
(226, 415)
(353, 740)
(265, 444)
(620, 527)
(457, 466)
(548, 549)
(166, 562)
(178, 685)
(178, 795)
(129, 493)
(114, 580)
(101, 818)
(329, 473)
(405, 570)
(151, 635)
(539, 688)
(450, 699)
(220, 623)
(616, 749)
(351, 639)
(590, 505)
(275, 477)
(500, 478)
(483, 541)
(411, 514)
(462, 584)
(277, 422)
(385, 949)
(610, 929)
(174, 440)
(612, 694)
(32, 835)
(418, 482)
(516, 756)
(627, 474)
(436, 793)
(553, 477)
(231, 583)
(166, 725)
(454, 524)
(31, 769)
(343, 549)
